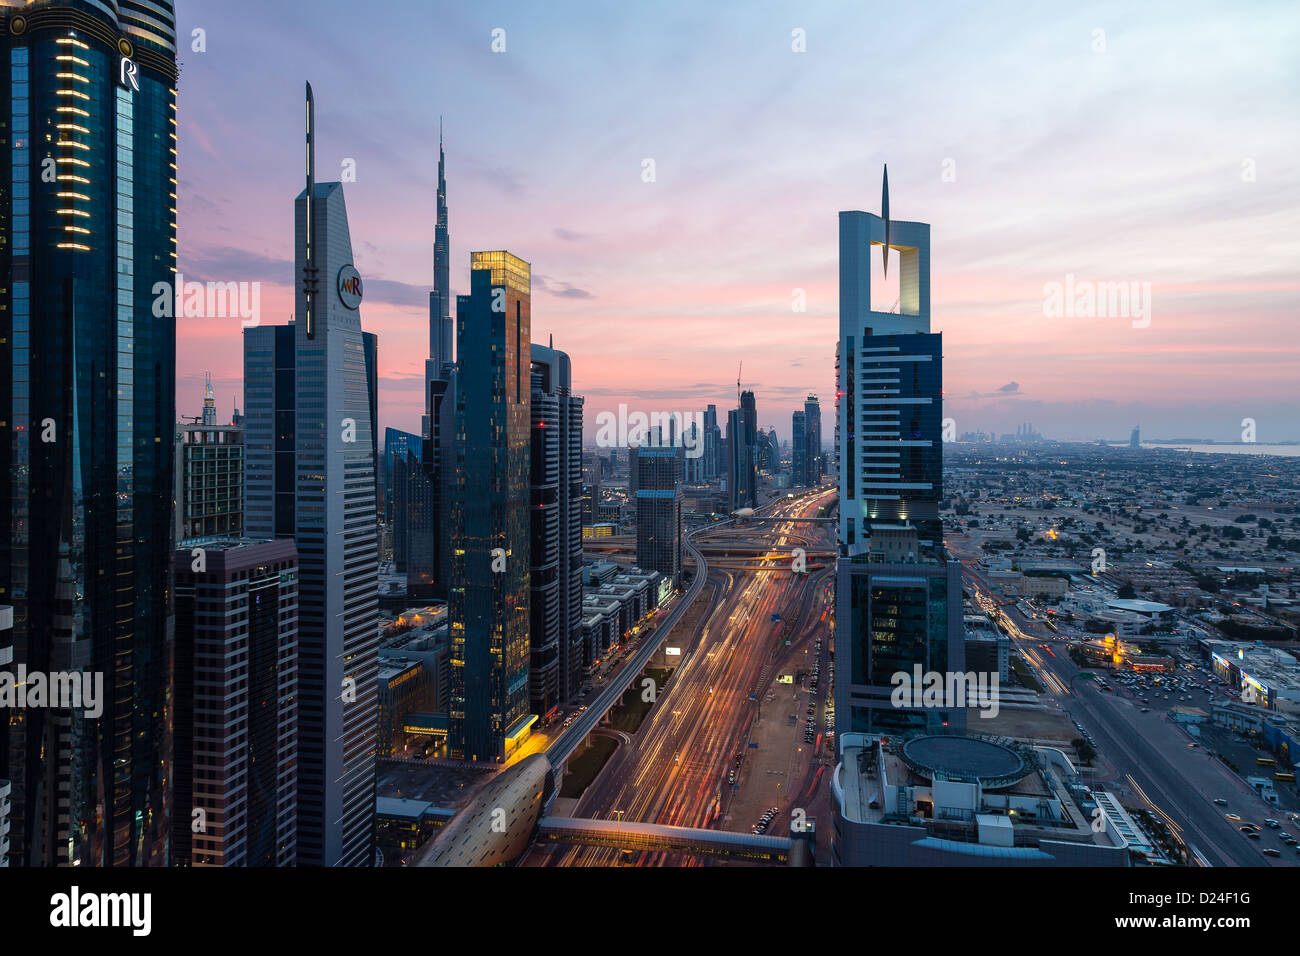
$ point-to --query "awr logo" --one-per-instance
(350, 287)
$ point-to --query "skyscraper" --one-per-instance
(659, 509)
(310, 475)
(410, 506)
(555, 557)
(591, 469)
(750, 426)
(437, 425)
(739, 458)
(87, 417)
(798, 449)
(440, 325)
(236, 699)
(898, 597)
(812, 413)
(713, 460)
(490, 527)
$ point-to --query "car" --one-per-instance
(1272, 824)
(1252, 835)
(1269, 851)
(1232, 816)
(1220, 801)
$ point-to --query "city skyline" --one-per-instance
(736, 219)
(954, 588)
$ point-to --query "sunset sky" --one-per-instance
(1162, 149)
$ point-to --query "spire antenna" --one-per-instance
(884, 214)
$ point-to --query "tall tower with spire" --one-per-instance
(440, 297)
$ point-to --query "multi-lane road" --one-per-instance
(1154, 760)
(674, 769)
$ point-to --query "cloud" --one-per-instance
(568, 235)
(1009, 390)
(559, 289)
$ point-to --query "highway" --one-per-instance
(1152, 759)
(567, 742)
(675, 769)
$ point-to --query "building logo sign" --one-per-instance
(129, 74)
(350, 287)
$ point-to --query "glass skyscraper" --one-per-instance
(488, 596)
(87, 416)
(659, 509)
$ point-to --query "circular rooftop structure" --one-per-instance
(970, 759)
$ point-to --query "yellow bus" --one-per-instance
(1265, 761)
(1289, 777)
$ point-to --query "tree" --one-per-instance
(1126, 591)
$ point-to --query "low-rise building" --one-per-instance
(964, 800)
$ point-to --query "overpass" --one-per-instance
(655, 837)
(565, 744)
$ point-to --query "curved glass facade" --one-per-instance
(87, 230)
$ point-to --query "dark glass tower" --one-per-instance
(749, 411)
(489, 521)
(798, 449)
(812, 414)
(659, 510)
(87, 416)
(410, 505)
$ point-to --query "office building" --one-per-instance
(490, 527)
(659, 510)
(555, 558)
(209, 477)
(749, 424)
(740, 461)
(692, 445)
(813, 454)
(405, 688)
(310, 475)
(87, 417)
(591, 473)
(713, 457)
(898, 597)
(411, 506)
(798, 449)
(235, 729)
